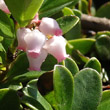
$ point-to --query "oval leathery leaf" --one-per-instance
(71, 65)
(93, 63)
(63, 87)
(87, 90)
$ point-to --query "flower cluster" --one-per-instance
(3, 7)
(45, 39)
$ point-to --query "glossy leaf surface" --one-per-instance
(67, 22)
(83, 45)
(23, 10)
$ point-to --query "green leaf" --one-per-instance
(105, 102)
(71, 65)
(50, 97)
(27, 76)
(16, 86)
(103, 10)
(94, 64)
(32, 91)
(7, 42)
(77, 12)
(103, 47)
(32, 103)
(87, 91)
(6, 26)
(83, 45)
(2, 48)
(2, 53)
(74, 33)
(49, 63)
(50, 7)
(79, 57)
(18, 66)
(83, 6)
(67, 11)
(1, 38)
(63, 87)
(9, 100)
(69, 48)
(67, 22)
(24, 10)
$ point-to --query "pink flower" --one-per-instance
(56, 47)
(34, 41)
(49, 26)
(21, 32)
(36, 19)
(35, 63)
(3, 7)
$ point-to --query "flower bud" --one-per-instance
(49, 26)
(35, 63)
(21, 32)
(3, 7)
(36, 19)
(34, 41)
(56, 47)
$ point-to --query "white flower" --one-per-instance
(56, 47)
(35, 63)
(21, 32)
(3, 7)
(49, 26)
(34, 41)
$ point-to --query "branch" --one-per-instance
(95, 23)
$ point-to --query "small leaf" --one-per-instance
(94, 64)
(50, 97)
(83, 6)
(50, 7)
(87, 91)
(49, 63)
(18, 66)
(32, 103)
(103, 10)
(16, 86)
(9, 100)
(77, 12)
(103, 47)
(2, 48)
(63, 87)
(71, 65)
(67, 22)
(67, 11)
(24, 10)
(105, 102)
(74, 33)
(6, 26)
(83, 45)
(27, 76)
(79, 57)
(32, 91)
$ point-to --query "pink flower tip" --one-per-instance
(33, 54)
(33, 69)
(58, 32)
(21, 48)
(60, 60)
